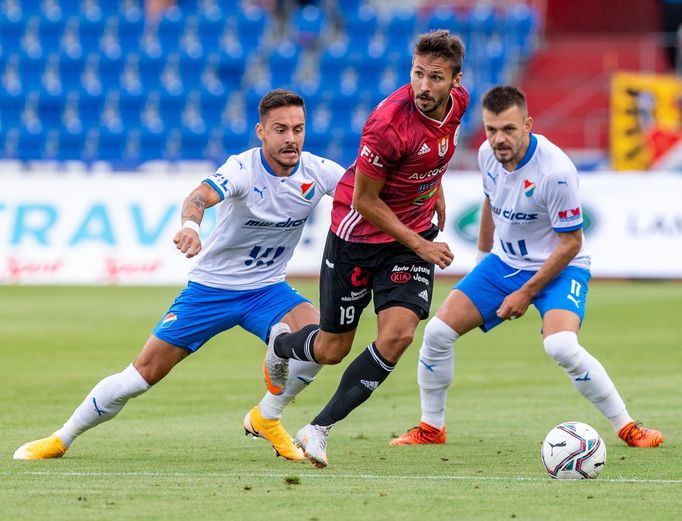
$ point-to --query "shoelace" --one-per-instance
(636, 433)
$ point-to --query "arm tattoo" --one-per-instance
(193, 208)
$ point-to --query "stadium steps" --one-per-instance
(567, 84)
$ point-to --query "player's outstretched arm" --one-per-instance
(187, 239)
(366, 200)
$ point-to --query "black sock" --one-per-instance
(361, 377)
(298, 345)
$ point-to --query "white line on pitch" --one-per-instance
(321, 474)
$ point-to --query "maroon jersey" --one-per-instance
(410, 152)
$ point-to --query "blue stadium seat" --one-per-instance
(170, 28)
(229, 67)
(482, 20)
(11, 31)
(149, 69)
(250, 26)
(308, 23)
(111, 145)
(443, 18)
(89, 32)
(152, 144)
(50, 32)
(50, 107)
(282, 63)
(235, 142)
(212, 106)
(30, 145)
(11, 107)
(361, 26)
(520, 24)
(130, 29)
(71, 144)
(90, 107)
(70, 67)
(332, 61)
(193, 144)
(31, 69)
(210, 29)
(109, 68)
(130, 106)
(170, 106)
(191, 67)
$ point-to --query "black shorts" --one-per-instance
(351, 272)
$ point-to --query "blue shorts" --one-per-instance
(201, 312)
(489, 283)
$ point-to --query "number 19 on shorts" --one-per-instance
(347, 315)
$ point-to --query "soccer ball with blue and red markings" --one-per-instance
(573, 450)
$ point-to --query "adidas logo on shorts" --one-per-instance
(424, 294)
(424, 150)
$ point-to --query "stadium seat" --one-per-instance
(110, 145)
(193, 144)
(11, 31)
(50, 107)
(282, 63)
(50, 32)
(250, 26)
(307, 25)
(212, 106)
(31, 69)
(89, 32)
(361, 26)
(443, 18)
(30, 145)
(71, 144)
(11, 107)
(170, 28)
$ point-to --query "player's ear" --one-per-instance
(457, 80)
(529, 124)
(260, 131)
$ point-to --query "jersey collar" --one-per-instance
(529, 153)
(271, 171)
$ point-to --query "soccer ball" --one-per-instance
(573, 450)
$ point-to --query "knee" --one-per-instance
(439, 339)
(331, 353)
(564, 348)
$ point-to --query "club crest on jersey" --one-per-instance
(308, 190)
(443, 144)
(168, 319)
(528, 187)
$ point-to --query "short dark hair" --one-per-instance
(279, 98)
(442, 44)
(500, 98)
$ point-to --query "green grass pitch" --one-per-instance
(179, 452)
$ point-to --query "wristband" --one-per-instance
(191, 224)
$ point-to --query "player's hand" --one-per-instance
(514, 306)
(436, 252)
(440, 209)
(188, 242)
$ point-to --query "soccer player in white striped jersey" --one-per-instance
(265, 196)
(531, 250)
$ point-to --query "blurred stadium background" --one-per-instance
(110, 112)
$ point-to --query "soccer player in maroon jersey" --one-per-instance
(381, 241)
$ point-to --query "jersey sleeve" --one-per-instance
(483, 155)
(334, 173)
(232, 179)
(380, 147)
(563, 200)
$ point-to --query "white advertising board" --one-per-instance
(118, 228)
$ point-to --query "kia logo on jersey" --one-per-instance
(400, 277)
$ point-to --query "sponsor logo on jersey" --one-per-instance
(513, 215)
(308, 190)
(572, 214)
(260, 191)
(168, 320)
(400, 277)
(371, 157)
(430, 173)
(424, 150)
(443, 145)
(360, 277)
(424, 294)
(289, 223)
(528, 187)
(420, 200)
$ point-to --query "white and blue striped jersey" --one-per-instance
(532, 204)
(260, 219)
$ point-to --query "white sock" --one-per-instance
(301, 374)
(588, 376)
(435, 370)
(104, 402)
